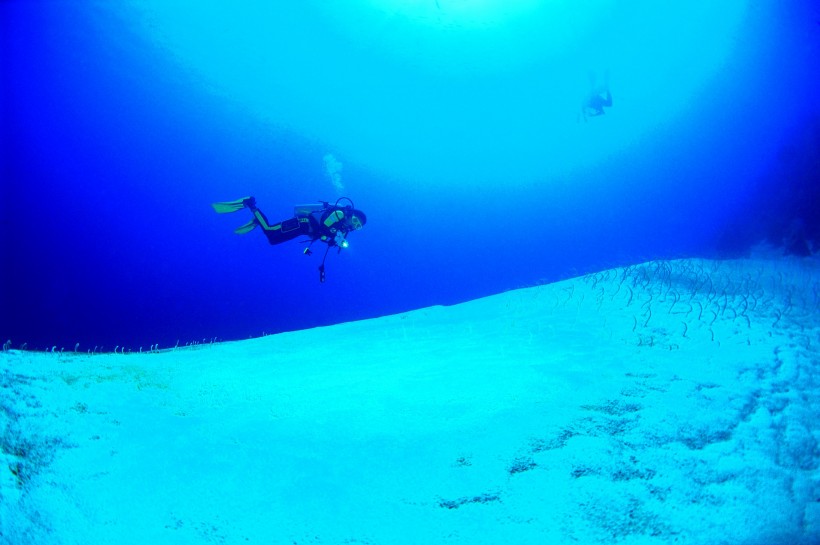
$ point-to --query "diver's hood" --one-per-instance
(359, 214)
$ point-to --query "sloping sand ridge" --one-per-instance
(667, 402)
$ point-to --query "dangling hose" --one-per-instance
(340, 199)
(322, 266)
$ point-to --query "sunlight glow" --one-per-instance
(441, 90)
(459, 12)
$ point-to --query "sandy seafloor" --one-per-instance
(667, 402)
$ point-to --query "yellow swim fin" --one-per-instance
(232, 206)
(247, 228)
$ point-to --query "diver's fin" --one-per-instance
(233, 206)
(247, 228)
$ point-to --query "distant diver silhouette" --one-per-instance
(329, 223)
(599, 97)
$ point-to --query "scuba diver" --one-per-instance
(599, 97)
(329, 223)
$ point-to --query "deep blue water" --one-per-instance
(460, 142)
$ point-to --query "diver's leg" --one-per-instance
(608, 100)
(259, 218)
(284, 230)
(275, 233)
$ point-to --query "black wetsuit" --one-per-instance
(323, 224)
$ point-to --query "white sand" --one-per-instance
(670, 402)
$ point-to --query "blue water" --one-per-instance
(456, 128)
